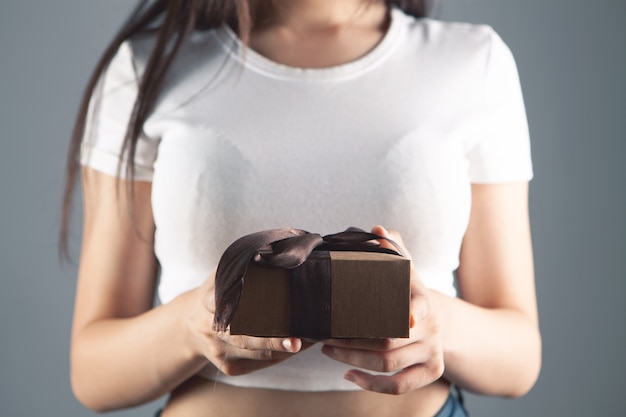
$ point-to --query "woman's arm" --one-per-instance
(123, 351)
(488, 341)
(492, 342)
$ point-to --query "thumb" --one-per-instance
(380, 231)
(392, 235)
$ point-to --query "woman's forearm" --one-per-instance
(489, 351)
(123, 362)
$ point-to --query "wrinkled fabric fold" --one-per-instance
(285, 248)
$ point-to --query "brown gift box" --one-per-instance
(333, 294)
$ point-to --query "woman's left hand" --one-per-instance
(416, 361)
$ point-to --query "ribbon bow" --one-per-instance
(280, 248)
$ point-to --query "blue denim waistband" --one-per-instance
(453, 407)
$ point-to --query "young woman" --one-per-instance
(208, 120)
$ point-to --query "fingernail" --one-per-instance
(349, 377)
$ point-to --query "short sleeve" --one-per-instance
(501, 150)
(107, 121)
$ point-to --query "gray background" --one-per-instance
(572, 60)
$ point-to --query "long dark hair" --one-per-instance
(172, 21)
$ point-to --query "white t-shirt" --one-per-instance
(238, 144)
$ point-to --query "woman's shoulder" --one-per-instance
(449, 37)
(202, 53)
(199, 48)
(466, 51)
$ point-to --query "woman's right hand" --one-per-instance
(234, 354)
(126, 352)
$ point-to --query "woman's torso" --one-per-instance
(256, 146)
(237, 147)
(200, 397)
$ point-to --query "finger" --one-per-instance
(289, 344)
(392, 235)
(208, 300)
(244, 366)
(420, 307)
(378, 345)
(389, 361)
(237, 361)
(208, 291)
(232, 353)
(409, 379)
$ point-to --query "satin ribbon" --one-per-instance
(280, 248)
